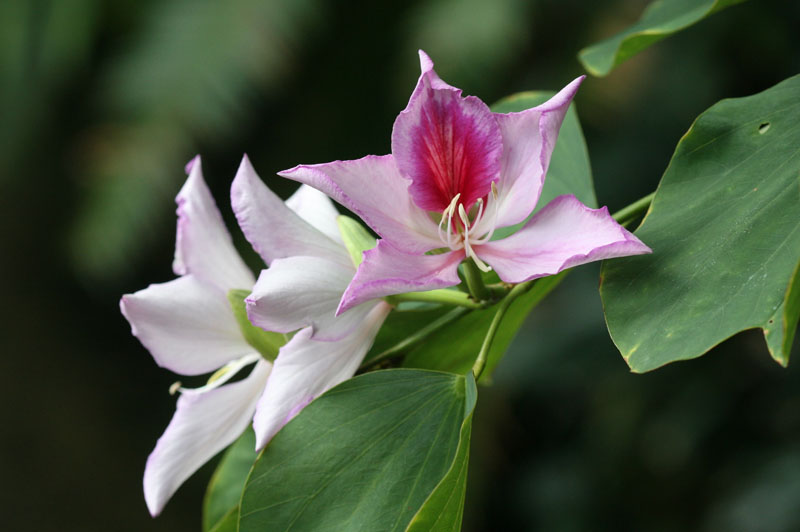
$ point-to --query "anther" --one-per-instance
(173, 389)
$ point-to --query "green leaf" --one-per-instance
(400, 325)
(724, 227)
(455, 347)
(569, 171)
(661, 19)
(781, 327)
(225, 488)
(371, 454)
(266, 343)
(228, 523)
(444, 509)
(356, 239)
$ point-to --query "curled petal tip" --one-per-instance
(190, 165)
(425, 61)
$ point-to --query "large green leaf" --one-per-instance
(455, 347)
(225, 488)
(661, 19)
(373, 453)
(444, 509)
(725, 231)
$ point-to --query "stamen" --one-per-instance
(451, 210)
(480, 212)
(468, 245)
(448, 212)
(493, 224)
(220, 377)
(478, 262)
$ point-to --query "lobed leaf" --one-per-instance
(724, 227)
(370, 454)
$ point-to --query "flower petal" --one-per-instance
(306, 368)
(373, 188)
(317, 209)
(297, 292)
(203, 424)
(563, 234)
(528, 141)
(203, 245)
(186, 324)
(446, 144)
(386, 271)
(272, 228)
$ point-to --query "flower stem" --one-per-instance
(445, 297)
(628, 214)
(412, 341)
(483, 355)
(474, 280)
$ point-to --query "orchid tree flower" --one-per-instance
(310, 266)
(456, 173)
(190, 327)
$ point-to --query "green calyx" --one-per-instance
(266, 343)
(356, 239)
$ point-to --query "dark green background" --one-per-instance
(101, 104)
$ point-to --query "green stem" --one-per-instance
(483, 355)
(630, 213)
(405, 345)
(474, 280)
(445, 297)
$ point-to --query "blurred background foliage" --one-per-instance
(101, 104)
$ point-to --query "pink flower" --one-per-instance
(456, 173)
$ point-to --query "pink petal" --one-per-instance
(306, 368)
(528, 141)
(372, 188)
(563, 234)
(446, 144)
(297, 292)
(272, 228)
(317, 209)
(386, 271)
(203, 425)
(186, 324)
(203, 245)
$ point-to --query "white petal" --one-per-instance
(317, 209)
(186, 324)
(272, 228)
(307, 368)
(303, 291)
(203, 245)
(203, 425)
